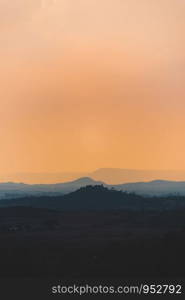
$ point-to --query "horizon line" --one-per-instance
(93, 180)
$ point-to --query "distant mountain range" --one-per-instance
(108, 175)
(154, 188)
(120, 176)
(12, 190)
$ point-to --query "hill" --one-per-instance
(119, 176)
(157, 188)
(11, 190)
(154, 188)
(98, 198)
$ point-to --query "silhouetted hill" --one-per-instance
(11, 190)
(154, 188)
(98, 198)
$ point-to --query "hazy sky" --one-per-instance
(92, 83)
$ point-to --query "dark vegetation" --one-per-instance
(121, 235)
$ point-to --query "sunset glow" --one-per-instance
(89, 84)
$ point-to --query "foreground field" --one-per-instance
(45, 243)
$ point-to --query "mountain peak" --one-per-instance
(85, 180)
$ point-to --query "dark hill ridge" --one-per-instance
(98, 198)
(12, 190)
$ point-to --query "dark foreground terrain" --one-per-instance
(46, 243)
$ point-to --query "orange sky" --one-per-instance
(92, 83)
